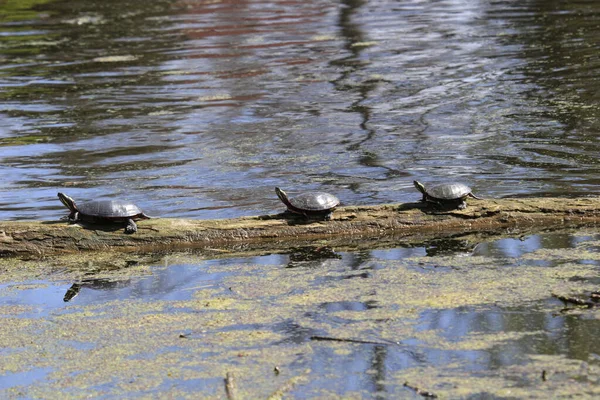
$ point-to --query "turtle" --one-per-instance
(451, 195)
(310, 204)
(99, 211)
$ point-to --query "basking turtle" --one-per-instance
(451, 195)
(310, 204)
(100, 211)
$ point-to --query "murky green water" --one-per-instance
(198, 109)
(482, 322)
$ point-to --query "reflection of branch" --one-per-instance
(289, 385)
(230, 386)
(422, 392)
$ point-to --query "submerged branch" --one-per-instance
(348, 223)
(419, 391)
(230, 389)
(592, 302)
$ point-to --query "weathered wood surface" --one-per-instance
(39, 238)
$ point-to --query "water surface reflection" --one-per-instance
(359, 321)
(198, 109)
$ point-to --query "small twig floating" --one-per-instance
(349, 340)
(421, 392)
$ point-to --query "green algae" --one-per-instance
(242, 325)
(19, 10)
(23, 140)
(541, 377)
(104, 265)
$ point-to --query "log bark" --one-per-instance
(40, 238)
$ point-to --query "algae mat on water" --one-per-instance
(384, 326)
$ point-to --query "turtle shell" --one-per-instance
(314, 201)
(449, 191)
(109, 209)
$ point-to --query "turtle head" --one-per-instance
(282, 196)
(419, 186)
(67, 201)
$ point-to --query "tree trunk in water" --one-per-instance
(38, 238)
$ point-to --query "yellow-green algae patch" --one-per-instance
(433, 339)
(541, 377)
(258, 319)
(76, 266)
(563, 254)
(10, 310)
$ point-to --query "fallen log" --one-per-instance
(40, 238)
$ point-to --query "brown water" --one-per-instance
(198, 109)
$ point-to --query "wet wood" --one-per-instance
(230, 388)
(348, 223)
(590, 302)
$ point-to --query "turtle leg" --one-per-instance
(327, 217)
(433, 203)
(131, 226)
(462, 205)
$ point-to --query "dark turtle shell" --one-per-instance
(449, 191)
(447, 194)
(110, 209)
(104, 210)
(310, 204)
(314, 201)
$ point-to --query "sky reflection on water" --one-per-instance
(198, 111)
(528, 329)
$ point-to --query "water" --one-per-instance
(476, 322)
(198, 109)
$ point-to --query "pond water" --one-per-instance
(198, 109)
(461, 321)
